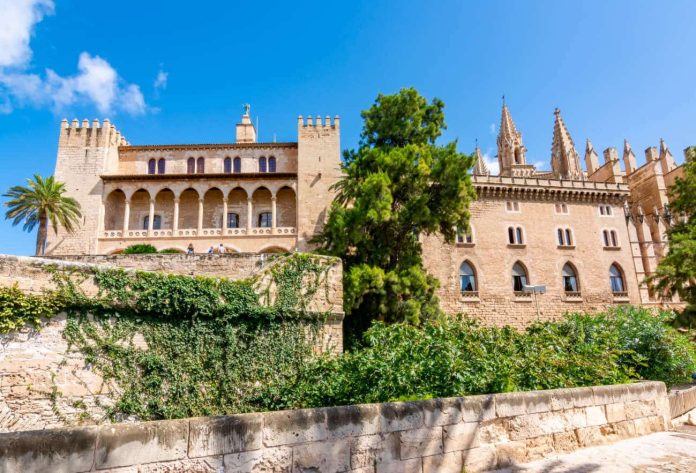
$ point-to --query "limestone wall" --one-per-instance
(682, 399)
(473, 433)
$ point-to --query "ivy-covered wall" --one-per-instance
(84, 343)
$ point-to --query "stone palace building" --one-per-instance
(589, 236)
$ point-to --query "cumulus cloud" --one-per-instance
(95, 82)
(491, 162)
(491, 128)
(161, 80)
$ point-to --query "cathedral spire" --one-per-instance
(591, 158)
(666, 158)
(511, 150)
(565, 162)
(480, 167)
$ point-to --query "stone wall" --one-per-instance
(473, 433)
(682, 399)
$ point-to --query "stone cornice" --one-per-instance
(231, 146)
(193, 177)
(533, 188)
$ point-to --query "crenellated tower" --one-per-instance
(565, 161)
(84, 153)
(318, 168)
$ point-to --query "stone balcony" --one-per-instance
(203, 233)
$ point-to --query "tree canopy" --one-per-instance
(676, 272)
(399, 185)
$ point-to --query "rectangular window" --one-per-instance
(511, 206)
(265, 220)
(232, 220)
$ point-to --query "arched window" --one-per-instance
(190, 166)
(265, 219)
(228, 166)
(611, 239)
(237, 165)
(520, 239)
(560, 237)
(262, 164)
(511, 235)
(569, 237)
(156, 222)
(200, 165)
(616, 279)
(151, 166)
(465, 237)
(614, 239)
(272, 164)
(467, 278)
(232, 220)
(570, 278)
(519, 277)
(161, 166)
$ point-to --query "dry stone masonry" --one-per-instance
(474, 433)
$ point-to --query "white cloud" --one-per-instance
(161, 80)
(491, 162)
(96, 81)
(491, 128)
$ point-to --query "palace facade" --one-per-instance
(590, 237)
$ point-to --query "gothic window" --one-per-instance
(616, 279)
(156, 222)
(561, 208)
(200, 165)
(611, 239)
(465, 237)
(151, 166)
(227, 167)
(272, 164)
(237, 165)
(232, 220)
(515, 236)
(518, 233)
(262, 164)
(519, 277)
(190, 166)
(570, 278)
(569, 237)
(161, 166)
(265, 219)
(512, 206)
(560, 237)
(614, 239)
(605, 210)
(467, 278)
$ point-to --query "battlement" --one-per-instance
(94, 135)
(317, 122)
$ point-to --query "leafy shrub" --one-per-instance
(455, 357)
(171, 251)
(140, 248)
(18, 309)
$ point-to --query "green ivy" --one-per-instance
(18, 310)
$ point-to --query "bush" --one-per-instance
(139, 249)
(18, 310)
(171, 251)
(456, 357)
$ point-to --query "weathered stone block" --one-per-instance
(597, 435)
(267, 460)
(420, 442)
(413, 465)
(603, 394)
(646, 390)
(510, 404)
(479, 459)
(437, 412)
(59, 451)
(583, 397)
(478, 408)
(195, 465)
(229, 434)
(370, 449)
(625, 429)
(451, 462)
(540, 402)
(133, 444)
(638, 409)
(511, 453)
(494, 431)
(351, 421)
(595, 415)
(330, 455)
(565, 441)
(539, 447)
(291, 427)
(615, 412)
(397, 416)
(459, 437)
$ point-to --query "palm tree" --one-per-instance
(41, 202)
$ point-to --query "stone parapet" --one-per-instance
(475, 433)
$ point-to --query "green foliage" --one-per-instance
(454, 357)
(18, 310)
(676, 272)
(398, 185)
(42, 203)
(171, 251)
(139, 248)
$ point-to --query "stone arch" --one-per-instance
(520, 276)
(188, 209)
(237, 203)
(114, 210)
(212, 208)
(139, 209)
(261, 203)
(164, 207)
(271, 249)
(570, 277)
(286, 207)
(468, 280)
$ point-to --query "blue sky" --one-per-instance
(178, 72)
